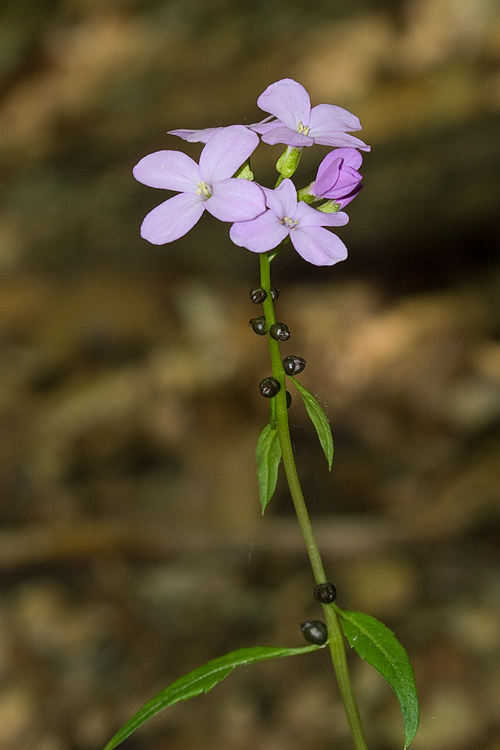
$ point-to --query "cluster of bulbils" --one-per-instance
(315, 631)
(292, 365)
(222, 182)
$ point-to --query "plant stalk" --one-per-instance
(335, 635)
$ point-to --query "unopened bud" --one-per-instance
(288, 162)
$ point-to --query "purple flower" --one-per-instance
(298, 125)
(338, 178)
(303, 224)
(208, 185)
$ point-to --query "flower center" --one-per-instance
(289, 223)
(204, 189)
(303, 129)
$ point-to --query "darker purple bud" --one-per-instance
(269, 387)
(258, 325)
(279, 332)
(292, 365)
(274, 293)
(288, 399)
(338, 178)
(315, 631)
(258, 295)
(326, 593)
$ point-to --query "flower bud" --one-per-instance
(289, 161)
(279, 332)
(326, 593)
(274, 293)
(259, 325)
(338, 179)
(315, 631)
(292, 365)
(257, 295)
(288, 399)
(244, 172)
(269, 387)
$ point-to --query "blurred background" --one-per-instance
(132, 547)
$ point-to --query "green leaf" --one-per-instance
(319, 420)
(377, 644)
(268, 455)
(201, 680)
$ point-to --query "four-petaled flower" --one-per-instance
(298, 125)
(303, 224)
(208, 185)
(338, 178)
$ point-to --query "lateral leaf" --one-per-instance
(319, 420)
(373, 641)
(268, 456)
(201, 680)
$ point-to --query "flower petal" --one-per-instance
(328, 174)
(283, 200)
(349, 179)
(288, 101)
(259, 235)
(195, 136)
(318, 246)
(236, 200)
(330, 117)
(348, 198)
(173, 218)
(288, 137)
(330, 138)
(170, 170)
(268, 123)
(225, 152)
(351, 156)
(311, 217)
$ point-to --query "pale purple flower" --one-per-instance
(208, 185)
(303, 224)
(298, 125)
(338, 178)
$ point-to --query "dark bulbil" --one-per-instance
(315, 631)
(258, 325)
(279, 332)
(258, 295)
(292, 365)
(326, 593)
(269, 387)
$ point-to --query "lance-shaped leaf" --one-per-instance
(373, 641)
(268, 455)
(319, 420)
(201, 680)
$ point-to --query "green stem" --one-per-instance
(335, 636)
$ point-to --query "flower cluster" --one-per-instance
(222, 183)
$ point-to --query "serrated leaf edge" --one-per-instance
(220, 670)
(314, 407)
(409, 737)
